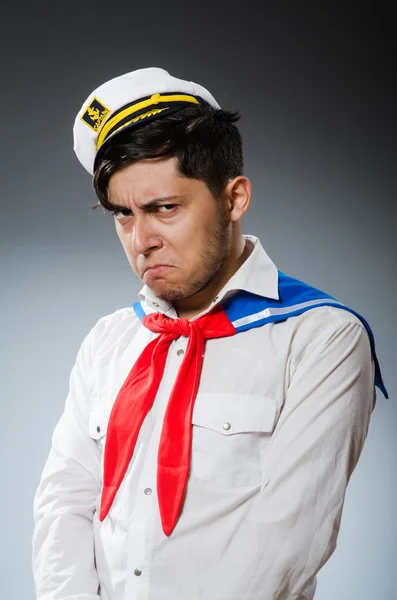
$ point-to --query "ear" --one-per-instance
(238, 194)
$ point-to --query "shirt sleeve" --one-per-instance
(292, 527)
(65, 501)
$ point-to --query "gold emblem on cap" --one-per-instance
(95, 114)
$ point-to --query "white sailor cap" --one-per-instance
(127, 100)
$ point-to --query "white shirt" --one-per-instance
(279, 423)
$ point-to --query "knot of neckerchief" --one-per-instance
(136, 398)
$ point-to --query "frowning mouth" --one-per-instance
(156, 269)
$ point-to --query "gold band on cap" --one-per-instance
(130, 110)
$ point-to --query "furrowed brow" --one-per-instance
(116, 207)
(160, 201)
(146, 206)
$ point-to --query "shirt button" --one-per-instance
(98, 429)
(215, 299)
(180, 353)
(155, 304)
(138, 572)
(226, 426)
(147, 491)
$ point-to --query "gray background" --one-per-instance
(315, 85)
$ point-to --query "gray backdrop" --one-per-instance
(317, 92)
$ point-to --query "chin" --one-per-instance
(170, 293)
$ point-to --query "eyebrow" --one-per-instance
(148, 205)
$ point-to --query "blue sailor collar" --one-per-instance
(246, 310)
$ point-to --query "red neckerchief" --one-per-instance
(136, 397)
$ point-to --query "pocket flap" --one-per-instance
(234, 413)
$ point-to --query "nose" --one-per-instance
(144, 237)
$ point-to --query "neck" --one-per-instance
(187, 308)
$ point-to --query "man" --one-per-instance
(211, 429)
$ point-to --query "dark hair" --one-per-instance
(205, 141)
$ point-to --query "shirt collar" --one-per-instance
(257, 275)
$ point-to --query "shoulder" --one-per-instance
(326, 326)
(111, 323)
(110, 330)
(320, 319)
(313, 321)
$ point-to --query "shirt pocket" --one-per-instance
(230, 436)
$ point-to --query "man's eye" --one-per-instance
(167, 208)
(119, 213)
